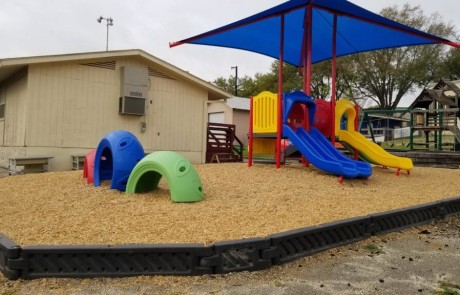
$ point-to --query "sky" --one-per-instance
(48, 27)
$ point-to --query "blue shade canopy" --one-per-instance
(358, 30)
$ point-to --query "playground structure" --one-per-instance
(433, 114)
(184, 182)
(435, 111)
(116, 155)
(382, 125)
(88, 167)
(311, 138)
(368, 150)
(305, 32)
(120, 159)
(298, 127)
(264, 126)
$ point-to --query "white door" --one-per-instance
(216, 117)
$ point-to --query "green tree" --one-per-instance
(222, 83)
(292, 80)
(322, 79)
(225, 84)
(451, 66)
(269, 81)
(385, 76)
(248, 86)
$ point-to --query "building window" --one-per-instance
(2, 102)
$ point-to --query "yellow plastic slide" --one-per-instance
(369, 150)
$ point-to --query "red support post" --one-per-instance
(341, 179)
(309, 51)
(251, 130)
(303, 53)
(280, 97)
(307, 67)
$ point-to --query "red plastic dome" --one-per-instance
(88, 167)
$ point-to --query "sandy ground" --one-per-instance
(240, 202)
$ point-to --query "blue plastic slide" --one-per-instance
(321, 153)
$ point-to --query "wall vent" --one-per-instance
(155, 73)
(109, 65)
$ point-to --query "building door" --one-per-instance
(2, 113)
(216, 117)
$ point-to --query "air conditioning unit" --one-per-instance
(132, 106)
(134, 81)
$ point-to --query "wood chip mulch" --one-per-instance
(59, 208)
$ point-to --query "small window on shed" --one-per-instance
(2, 102)
(216, 117)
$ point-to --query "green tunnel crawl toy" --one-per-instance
(183, 180)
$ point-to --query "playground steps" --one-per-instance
(223, 157)
(291, 151)
(432, 159)
(221, 145)
(456, 131)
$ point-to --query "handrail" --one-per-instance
(220, 141)
(240, 150)
(450, 110)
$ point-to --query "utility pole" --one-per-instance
(236, 79)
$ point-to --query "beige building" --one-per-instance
(63, 105)
(234, 111)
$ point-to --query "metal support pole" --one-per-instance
(280, 97)
(107, 39)
(369, 125)
(109, 22)
(356, 152)
(440, 131)
(411, 135)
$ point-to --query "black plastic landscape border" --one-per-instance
(32, 262)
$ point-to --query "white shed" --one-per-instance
(234, 110)
(63, 105)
